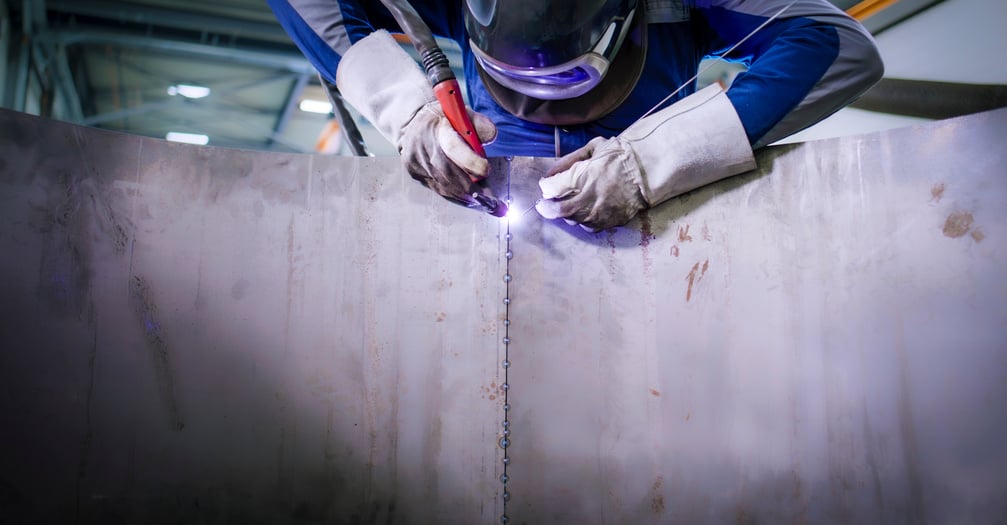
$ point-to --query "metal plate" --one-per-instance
(212, 335)
(201, 334)
(824, 340)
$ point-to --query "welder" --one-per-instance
(589, 81)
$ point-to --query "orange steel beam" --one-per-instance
(867, 8)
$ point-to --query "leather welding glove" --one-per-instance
(387, 87)
(696, 141)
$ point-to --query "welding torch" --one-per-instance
(445, 87)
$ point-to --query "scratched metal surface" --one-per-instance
(201, 335)
(823, 341)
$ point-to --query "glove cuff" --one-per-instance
(378, 78)
(693, 142)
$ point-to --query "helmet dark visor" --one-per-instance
(548, 50)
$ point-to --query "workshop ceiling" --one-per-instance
(120, 59)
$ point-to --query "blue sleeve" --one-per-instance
(325, 29)
(804, 65)
(322, 29)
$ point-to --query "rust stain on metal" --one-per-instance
(978, 235)
(695, 275)
(937, 192)
(646, 233)
(692, 279)
(145, 307)
(657, 498)
(683, 234)
(645, 238)
(958, 224)
(706, 233)
(489, 392)
(655, 393)
(674, 250)
(120, 238)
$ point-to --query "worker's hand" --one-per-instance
(597, 186)
(693, 142)
(387, 87)
(437, 156)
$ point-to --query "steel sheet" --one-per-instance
(212, 335)
(209, 335)
(821, 341)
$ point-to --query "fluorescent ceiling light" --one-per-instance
(188, 138)
(315, 106)
(189, 90)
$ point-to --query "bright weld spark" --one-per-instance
(513, 214)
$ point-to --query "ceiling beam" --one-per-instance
(293, 62)
(891, 13)
(102, 118)
(293, 95)
(241, 9)
(24, 59)
(64, 80)
(5, 31)
(174, 18)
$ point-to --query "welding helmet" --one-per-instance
(557, 61)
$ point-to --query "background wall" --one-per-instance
(109, 64)
(954, 41)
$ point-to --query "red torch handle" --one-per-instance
(450, 97)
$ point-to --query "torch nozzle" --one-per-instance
(493, 206)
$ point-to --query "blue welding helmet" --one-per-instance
(557, 61)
